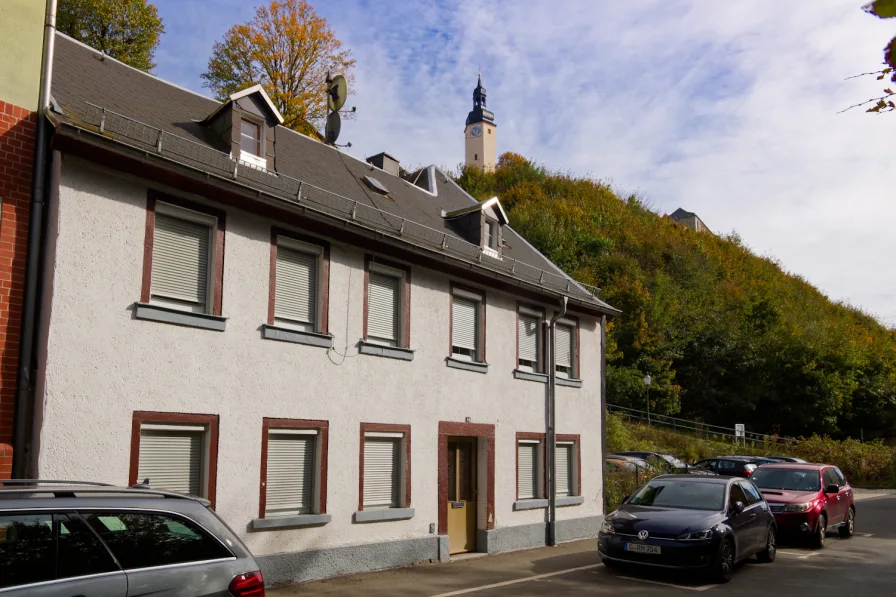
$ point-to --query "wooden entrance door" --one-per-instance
(461, 494)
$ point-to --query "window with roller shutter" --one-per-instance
(386, 296)
(182, 258)
(466, 325)
(565, 350)
(291, 471)
(529, 340)
(297, 285)
(566, 474)
(382, 487)
(528, 467)
(173, 457)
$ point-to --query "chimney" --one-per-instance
(385, 162)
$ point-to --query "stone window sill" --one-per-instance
(272, 332)
(389, 352)
(571, 500)
(466, 365)
(569, 383)
(384, 514)
(530, 376)
(150, 312)
(531, 504)
(302, 520)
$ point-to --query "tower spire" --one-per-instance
(479, 132)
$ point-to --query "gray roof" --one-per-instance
(680, 213)
(133, 106)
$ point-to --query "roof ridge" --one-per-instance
(143, 72)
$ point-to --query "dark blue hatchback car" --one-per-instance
(687, 521)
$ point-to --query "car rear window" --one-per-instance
(787, 479)
(680, 494)
(144, 540)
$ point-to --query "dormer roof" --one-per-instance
(490, 206)
(255, 89)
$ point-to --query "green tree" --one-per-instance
(288, 49)
(882, 9)
(127, 30)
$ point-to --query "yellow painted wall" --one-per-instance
(21, 32)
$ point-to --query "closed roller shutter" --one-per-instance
(464, 324)
(381, 472)
(527, 463)
(296, 286)
(290, 475)
(382, 307)
(180, 252)
(528, 339)
(172, 459)
(564, 346)
(564, 470)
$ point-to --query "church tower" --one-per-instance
(479, 134)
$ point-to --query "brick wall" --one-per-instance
(17, 127)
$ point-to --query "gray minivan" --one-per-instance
(63, 538)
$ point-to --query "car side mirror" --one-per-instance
(738, 507)
(832, 488)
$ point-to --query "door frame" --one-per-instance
(478, 430)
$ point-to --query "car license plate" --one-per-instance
(641, 548)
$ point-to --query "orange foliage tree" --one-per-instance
(288, 49)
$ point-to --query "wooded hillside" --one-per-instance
(728, 336)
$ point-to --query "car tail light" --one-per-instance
(749, 468)
(250, 584)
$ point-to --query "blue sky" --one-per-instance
(727, 109)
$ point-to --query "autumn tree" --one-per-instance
(288, 49)
(882, 9)
(127, 30)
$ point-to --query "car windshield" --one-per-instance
(681, 494)
(674, 461)
(787, 479)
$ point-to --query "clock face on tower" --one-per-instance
(476, 130)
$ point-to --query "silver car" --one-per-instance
(63, 538)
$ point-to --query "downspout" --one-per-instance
(24, 380)
(552, 432)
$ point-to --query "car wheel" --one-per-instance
(818, 537)
(848, 528)
(767, 555)
(725, 562)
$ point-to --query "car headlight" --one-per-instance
(696, 535)
(797, 507)
(606, 527)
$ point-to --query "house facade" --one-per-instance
(20, 74)
(349, 362)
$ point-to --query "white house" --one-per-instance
(347, 360)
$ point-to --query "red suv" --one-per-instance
(808, 499)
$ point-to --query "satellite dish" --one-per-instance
(334, 125)
(337, 90)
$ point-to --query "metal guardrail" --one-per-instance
(701, 429)
(145, 137)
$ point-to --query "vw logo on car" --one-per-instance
(643, 535)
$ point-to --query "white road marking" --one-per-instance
(802, 555)
(515, 581)
(668, 584)
(865, 534)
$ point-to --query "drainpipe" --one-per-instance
(552, 432)
(24, 381)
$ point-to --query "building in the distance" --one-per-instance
(689, 219)
(349, 362)
(480, 146)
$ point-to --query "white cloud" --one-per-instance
(726, 109)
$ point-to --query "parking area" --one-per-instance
(864, 565)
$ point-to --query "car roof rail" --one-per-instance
(94, 488)
(53, 482)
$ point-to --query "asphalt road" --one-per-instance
(864, 565)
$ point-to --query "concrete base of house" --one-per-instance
(350, 559)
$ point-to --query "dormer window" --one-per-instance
(251, 143)
(491, 235)
(481, 224)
